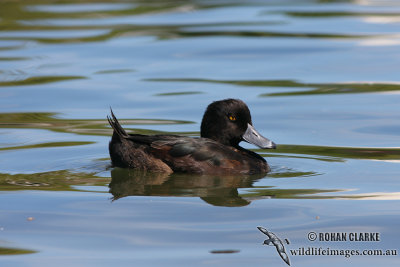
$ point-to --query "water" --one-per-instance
(320, 78)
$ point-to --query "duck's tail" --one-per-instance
(116, 126)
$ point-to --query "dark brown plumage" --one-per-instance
(225, 124)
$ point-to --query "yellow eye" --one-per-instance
(232, 118)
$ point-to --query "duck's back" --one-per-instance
(173, 153)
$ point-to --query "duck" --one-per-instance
(225, 124)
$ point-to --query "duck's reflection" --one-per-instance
(215, 190)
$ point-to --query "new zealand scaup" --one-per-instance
(225, 124)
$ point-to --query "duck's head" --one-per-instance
(229, 122)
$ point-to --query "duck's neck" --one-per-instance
(222, 138)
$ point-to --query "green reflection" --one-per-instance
(13, 58)
(224, 251)
(269, 192)
(320, 14)
(340, 88)
(180, 93)
(18, 16)
(268, 34)
(13, 10)
(311, 88)
(15, 251)
(113, 71)
(55, 181)
(23, 16)
(339, 152)
(48, 121)
(321, 158)
(50, 144)
(291, 174)
(263, 192)
(40, 80)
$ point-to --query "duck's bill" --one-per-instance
(253, 137)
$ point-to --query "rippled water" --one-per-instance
(321, 80)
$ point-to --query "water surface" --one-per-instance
(320, 78)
